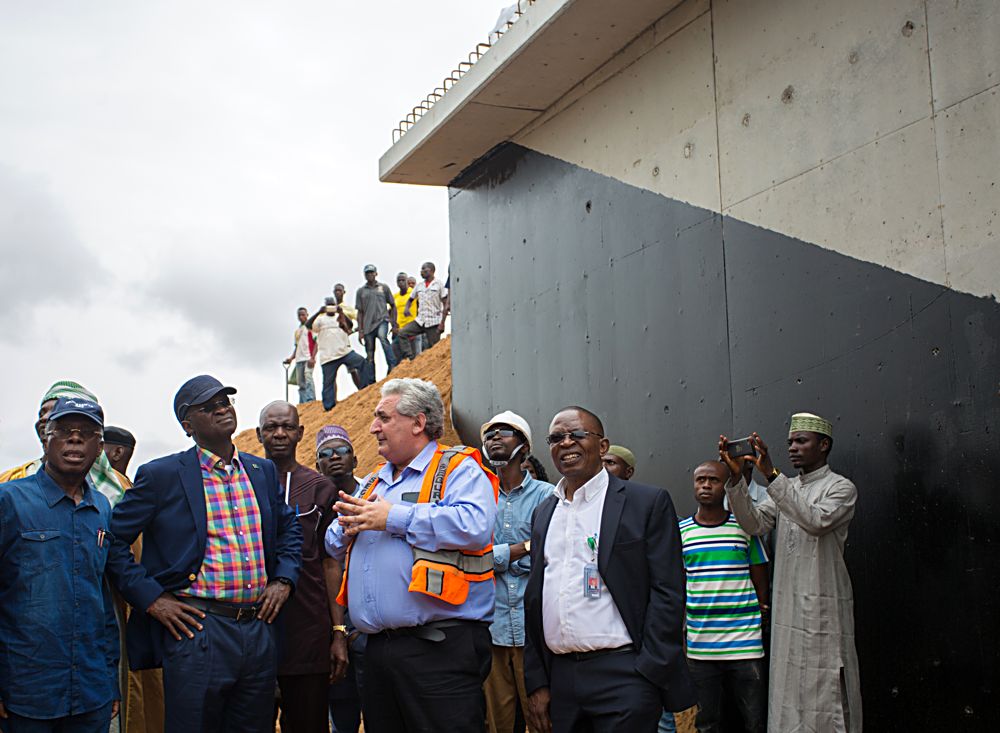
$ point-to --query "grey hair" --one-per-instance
(418, 397)
(269, 405)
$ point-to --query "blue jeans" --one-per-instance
(381, 333)
(352, 360)
(744, 677)
(304, 376)
(666, 724)
(96, 721)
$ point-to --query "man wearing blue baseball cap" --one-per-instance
(58, 635)
(221, 554)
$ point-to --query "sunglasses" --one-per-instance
(340, 450)
(575, 435)
(210, 407)
(84, 433)
(499, 433)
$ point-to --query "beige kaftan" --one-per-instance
(815, 686)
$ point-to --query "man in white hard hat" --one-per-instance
(506, 441)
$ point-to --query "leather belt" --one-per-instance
(242, 613)
(580, 656)
(433, 631)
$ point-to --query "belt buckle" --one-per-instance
(246, 614)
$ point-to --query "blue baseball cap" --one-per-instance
(197, 390)
(66, 406)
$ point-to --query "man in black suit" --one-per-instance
(604, 606)
(221, 554)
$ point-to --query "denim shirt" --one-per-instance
(513, 525)
(58, 633)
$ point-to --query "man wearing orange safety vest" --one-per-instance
(416, 547)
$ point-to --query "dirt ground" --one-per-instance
(354, 413)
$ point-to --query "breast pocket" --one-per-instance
(41, 549)
(41, 561)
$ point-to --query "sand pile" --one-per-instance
(355, 412)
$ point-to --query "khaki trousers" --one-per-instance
(504, 685)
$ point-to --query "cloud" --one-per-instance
(45, 259)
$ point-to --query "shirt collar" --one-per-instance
(594, 488)
(418, 464)
(54, 494)
(817, 474)
(210, 461)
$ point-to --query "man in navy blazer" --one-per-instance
(221, 554)
(604, 605)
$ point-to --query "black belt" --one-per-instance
(580, 656)
(433, 631)
(229, 610)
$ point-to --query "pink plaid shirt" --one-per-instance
(233, 568)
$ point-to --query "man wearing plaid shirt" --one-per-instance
(221, 556)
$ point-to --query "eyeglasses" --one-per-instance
(340, 450)
(84, 433)
(575, 435)
(210, 407)
(499, 433)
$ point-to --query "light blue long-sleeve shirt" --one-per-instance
(378, 576)
(513, 525)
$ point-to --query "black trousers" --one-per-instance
(602, 694)
(421, 686)
(303, 703)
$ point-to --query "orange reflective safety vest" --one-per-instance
(444, 574)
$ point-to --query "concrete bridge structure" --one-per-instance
(699, 217)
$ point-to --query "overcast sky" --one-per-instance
(177, 177)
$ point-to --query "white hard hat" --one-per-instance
(508, 418)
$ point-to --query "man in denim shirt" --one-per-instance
(58, 634)
(506, 441)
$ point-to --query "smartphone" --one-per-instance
(741, 447)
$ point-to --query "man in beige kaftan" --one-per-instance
(814, 680)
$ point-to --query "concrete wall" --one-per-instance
(868, 128)
(759, 208)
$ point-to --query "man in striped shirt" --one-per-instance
(727, 596)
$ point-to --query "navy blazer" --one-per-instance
(167, 507)
(639, 558)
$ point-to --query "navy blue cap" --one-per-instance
(197, 390)
(66, 406)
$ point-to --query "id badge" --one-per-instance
(591, 581)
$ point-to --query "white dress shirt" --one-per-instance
(571, 621)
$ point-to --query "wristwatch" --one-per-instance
(774, 474)
(341, 628)
(527, 545)
(284, 581)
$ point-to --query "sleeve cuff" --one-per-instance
(398, 520)
(778, 488)
(501, 558)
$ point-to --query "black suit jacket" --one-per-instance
(639, 558)
(167, 506)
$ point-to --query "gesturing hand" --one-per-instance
(358, 515)
(176, 616)
(272, 599)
